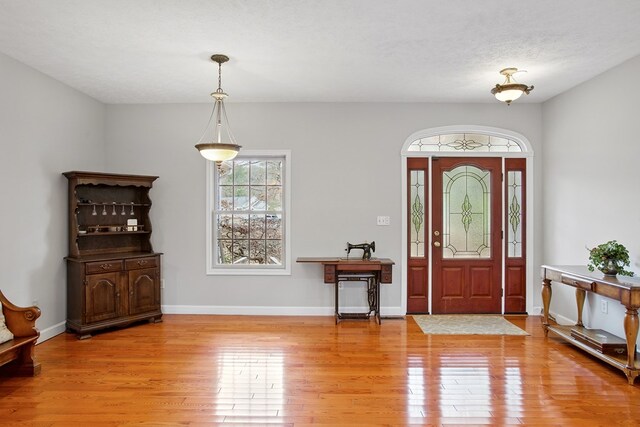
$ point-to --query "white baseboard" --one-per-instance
(561, 320)
(271, 311)
(52, 331)
(59, 328)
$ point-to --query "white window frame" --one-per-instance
(253, 270)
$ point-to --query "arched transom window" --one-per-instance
(457, 142)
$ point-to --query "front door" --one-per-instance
(466, 235)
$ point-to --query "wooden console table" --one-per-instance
(626, 290)
(372, 272)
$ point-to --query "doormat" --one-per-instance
(466, 324)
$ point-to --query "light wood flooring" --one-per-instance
(208, 370)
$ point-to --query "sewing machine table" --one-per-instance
(372, 272)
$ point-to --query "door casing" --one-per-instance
(527, 154)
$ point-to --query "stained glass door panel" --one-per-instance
(515, 283)
(467, 250)
(466, 226)
(417, 211)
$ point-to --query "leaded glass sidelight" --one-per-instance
(466, 219)
(248, 212)
(514, 215)
(417, 213)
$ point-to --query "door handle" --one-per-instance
(436, 244)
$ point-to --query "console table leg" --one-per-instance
(546, 301)
(631, 375)
(580, 294)
(631, 333)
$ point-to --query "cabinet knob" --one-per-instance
(106, 266)
(142, 262)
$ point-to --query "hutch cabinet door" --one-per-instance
(144, 290)
(102, 296)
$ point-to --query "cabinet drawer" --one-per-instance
(103, 266)
(386, 275)
(329, 274)
(136, 263)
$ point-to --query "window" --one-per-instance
(465, 142)
(248, 219)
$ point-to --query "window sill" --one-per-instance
(248, 272)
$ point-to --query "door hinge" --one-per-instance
(85, 282)
(502, 234)
(501, 292)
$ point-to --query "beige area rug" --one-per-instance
(467, 324)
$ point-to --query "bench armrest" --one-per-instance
(21, 321)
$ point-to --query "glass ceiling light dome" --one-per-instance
(510, 90)
(222, 146)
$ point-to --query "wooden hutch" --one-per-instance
(113, 274)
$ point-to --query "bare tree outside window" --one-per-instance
(248, 212)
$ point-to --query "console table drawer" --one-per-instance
(103, 267)
(578, 283)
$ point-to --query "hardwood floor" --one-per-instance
(208, 370)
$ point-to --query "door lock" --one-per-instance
(436, 233)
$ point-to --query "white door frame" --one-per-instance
(527, 152)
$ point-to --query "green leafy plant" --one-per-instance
(610, 258)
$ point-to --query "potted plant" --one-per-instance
(610, 258)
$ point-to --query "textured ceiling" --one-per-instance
(157, 51)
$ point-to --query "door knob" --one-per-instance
(436, 244)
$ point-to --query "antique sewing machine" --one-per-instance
(366, 247)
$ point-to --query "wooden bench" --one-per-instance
(18, 354)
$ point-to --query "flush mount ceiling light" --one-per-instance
(510, 90)
(222, 145)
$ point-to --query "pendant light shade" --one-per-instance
(217, 142)
(510, 90)
(218, 152)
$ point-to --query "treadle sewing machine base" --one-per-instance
(372, 272)
(373, 296)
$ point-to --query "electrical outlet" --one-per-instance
(340, 286)
(384, 220)
(604, 306)
(162, 284)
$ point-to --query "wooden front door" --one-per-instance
(466, 235)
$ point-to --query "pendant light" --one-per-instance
(223, 145)
(510, 90)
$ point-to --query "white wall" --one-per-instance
(591, 178)
(45, 128)
(345, 171)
